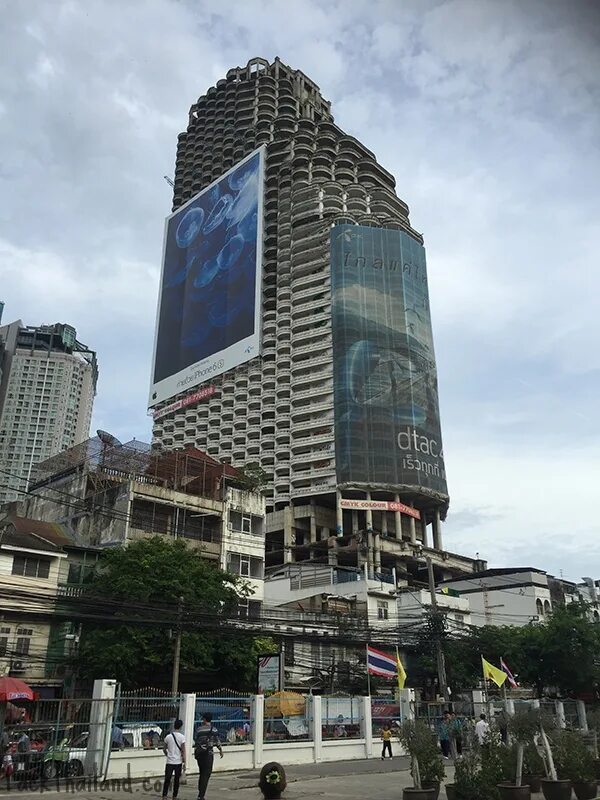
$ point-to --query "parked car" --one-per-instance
(67, 758)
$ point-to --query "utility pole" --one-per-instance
(177, 654)
(441, 661)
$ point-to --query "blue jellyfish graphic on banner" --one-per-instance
(208, 318)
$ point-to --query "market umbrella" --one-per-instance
(286, 704)
(12, 689)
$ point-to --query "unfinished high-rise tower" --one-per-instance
(340, 405)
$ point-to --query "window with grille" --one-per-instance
(382, 609)
(31, 566)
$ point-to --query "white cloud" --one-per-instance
(486, 113)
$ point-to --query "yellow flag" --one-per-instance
(400, 670)
(492, 673)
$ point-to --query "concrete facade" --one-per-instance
(47, 388)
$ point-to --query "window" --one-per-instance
(244, 565)
(547, 608)
(246, 525)
(382, 609)
(249, 609)
(23, 641)
(31, 566)
(539, 607)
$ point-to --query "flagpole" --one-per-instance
(368, 673)
(486, 690)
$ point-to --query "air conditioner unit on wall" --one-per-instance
(18, 666)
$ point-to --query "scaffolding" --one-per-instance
(190, 470)
(107, 491)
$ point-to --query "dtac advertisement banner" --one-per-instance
(208, 317)
(387, 422)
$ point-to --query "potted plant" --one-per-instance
(467, 771)
(593, 719)
(272, 780)
(533, 767)
(496, 765)
(431, 765)
(552, 787)
(419, 741)
(575, 762)
(523, 727)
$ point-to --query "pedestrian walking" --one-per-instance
(205, 740)
(386, 735)
(482, 729)
(7, 767)
(456, 728)
(445, 733)
(174, 749)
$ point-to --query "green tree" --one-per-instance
(157, 572)
(549, 651)
(253, 476)
(541, 654)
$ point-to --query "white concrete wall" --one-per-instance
(151, 763)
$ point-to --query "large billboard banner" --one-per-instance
(387, 422)
(208, 318)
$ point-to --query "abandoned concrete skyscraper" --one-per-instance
(340, 407)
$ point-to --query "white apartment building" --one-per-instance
(509, 596)
(47, 388)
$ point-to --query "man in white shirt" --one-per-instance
(174, 749)
(482, 729)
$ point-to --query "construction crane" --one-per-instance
(169, 181)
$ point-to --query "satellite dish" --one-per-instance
(108, 438)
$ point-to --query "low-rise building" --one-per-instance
(587, 591)
(39, 562)
(414, 604)
(509, 596)
(110, 494)
(343, 597)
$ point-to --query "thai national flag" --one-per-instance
(509, 676)
(381, 664)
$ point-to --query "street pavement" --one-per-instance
(343, 780)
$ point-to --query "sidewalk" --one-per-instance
(343, 780)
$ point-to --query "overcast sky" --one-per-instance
(488, 114)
